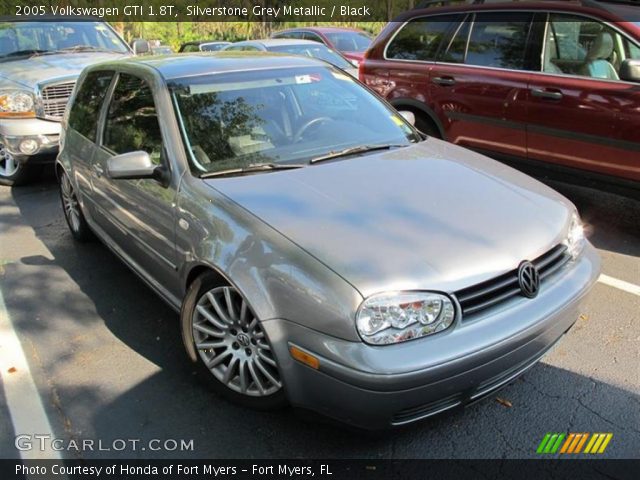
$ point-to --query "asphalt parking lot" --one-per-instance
(106, 357)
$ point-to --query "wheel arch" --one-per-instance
(420, 108)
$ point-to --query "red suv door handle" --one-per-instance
(444, 81)
(546, 94)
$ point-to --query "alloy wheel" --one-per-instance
(233, 345)
(70, 203)
(8, 164)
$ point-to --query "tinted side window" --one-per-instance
(420, 38)
(455, 47)
(132, 122)
(296, 35)
(85, 110)
(499, 40)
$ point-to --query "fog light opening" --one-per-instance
(304, 357)
(29, 146)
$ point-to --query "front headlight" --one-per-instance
(575, 237)
(17, 104)
(400, 316)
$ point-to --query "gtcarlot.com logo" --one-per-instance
(573, 443)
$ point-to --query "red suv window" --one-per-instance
(420, 39)
(499, 40)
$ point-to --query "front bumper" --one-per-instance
(41, 136)
(377, 387)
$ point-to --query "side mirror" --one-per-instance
(630, 70)
(130, 166)
(408, 116)
(140, 46)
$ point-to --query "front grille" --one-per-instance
(499, 289)
(55, 98)
(420, 412)
(467, 397)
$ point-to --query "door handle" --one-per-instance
(444, 81)
(546, 94)
(98, 170)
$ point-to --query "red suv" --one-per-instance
(535, 84)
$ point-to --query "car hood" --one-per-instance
(41, 69)
(430, 216)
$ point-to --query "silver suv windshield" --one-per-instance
(281, 116)
(25, 39)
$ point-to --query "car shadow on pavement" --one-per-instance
(113, 358)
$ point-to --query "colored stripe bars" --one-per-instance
(593, 443)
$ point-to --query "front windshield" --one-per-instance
(316, 51)
(18, 39)
(283, 116)
(349, 41)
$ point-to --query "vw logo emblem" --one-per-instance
(528, 279)
(243, 339)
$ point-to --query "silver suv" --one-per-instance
(39, 64)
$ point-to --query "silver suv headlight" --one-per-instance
(575, 238)
(395, 317)
(17, 104)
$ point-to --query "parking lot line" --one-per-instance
(620, 284)
(23, 400)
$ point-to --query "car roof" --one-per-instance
(604, 9)
(202, 63)
(276, 42)
(200, 42)
(323, 29)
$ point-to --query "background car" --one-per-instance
(203, 46)
(306, 48)
(319, 251)
(39, 63)
(351, 42)
(551, 87)
(161, 50)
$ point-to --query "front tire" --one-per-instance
(12, 172)
(231, 347)
(72, 212)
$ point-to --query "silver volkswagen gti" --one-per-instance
(320, 250)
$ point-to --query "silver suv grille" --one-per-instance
(55, 98)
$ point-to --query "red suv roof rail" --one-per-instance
(453, 3)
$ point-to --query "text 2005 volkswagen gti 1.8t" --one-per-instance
(321, 251)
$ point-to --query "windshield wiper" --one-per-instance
(81, 48)
(256, 167)
(355, 150)
(19, 53)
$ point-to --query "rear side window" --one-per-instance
(132, 121)
(83, 117)
(296, 35)
(420, 39)
(499, 40)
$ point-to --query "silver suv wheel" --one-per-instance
(8, 165)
